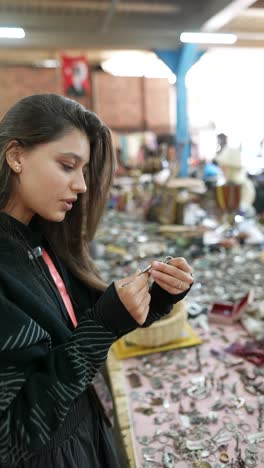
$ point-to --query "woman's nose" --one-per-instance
(79, 184)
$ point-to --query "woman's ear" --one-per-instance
(14, 156)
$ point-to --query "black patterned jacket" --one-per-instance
(45, 365)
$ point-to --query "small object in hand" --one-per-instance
(166, 260)
(145, 270)
(140, 273)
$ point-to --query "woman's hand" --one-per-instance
(133, 292)
(175, 276)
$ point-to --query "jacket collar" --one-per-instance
(11, 227)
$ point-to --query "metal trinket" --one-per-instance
(146, 411)
(168, 460)
(156, 383)
(224, 457)
(201, 464)
(252, 448)
(134, 380)
(251, 461)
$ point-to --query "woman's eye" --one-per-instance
(66, 167)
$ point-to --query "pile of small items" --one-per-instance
(124, 244)
(199, 407)
(192, 409)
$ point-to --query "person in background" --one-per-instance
(222, 141)
(211, 170)
(229, 160)
(57, 317)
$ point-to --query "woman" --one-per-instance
(58, 319)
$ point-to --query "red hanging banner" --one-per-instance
(76, 76)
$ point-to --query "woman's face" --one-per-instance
(50, 179)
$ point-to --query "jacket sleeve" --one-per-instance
(39, 383)
(161, 303)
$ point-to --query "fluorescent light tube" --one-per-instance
(208, 38)
(12, 33)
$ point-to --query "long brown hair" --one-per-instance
(43, 118)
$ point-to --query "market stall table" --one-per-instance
(195, 407)
(234, 386)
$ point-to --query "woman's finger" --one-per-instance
(170, 289)
(180, 264)
(181, 282)
(138, 280)
(173, 272)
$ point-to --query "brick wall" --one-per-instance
(132, 104)
(125, 104)
(17, 82)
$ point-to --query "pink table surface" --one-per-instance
(143, 425)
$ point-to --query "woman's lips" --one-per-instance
(68, 205)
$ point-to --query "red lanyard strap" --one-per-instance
(60, 285)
